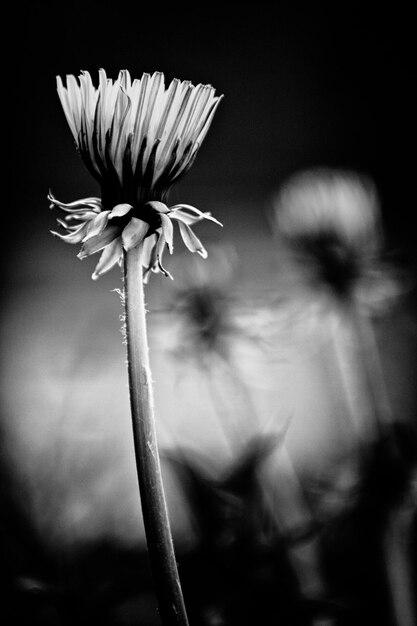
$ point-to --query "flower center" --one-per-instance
(337, 263)
(143, 212)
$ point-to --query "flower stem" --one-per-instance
(154, 508)
(372, 368)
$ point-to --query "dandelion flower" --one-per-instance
(137, 138)
(330, 221)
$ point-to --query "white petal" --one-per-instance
(109, 257)
(207, 123)
(169, 108)
(67, 107)
(74, 101)
(153, 111)
(97, 225)
(191, 240)
(120, 209)
(141, 98)
(134, 233)
(158, 206)
(99, 241)
(173, 123)
(193, 209)
(74, 235)
(167, 231)
(148, 246)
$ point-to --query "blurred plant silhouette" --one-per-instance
(271, 540)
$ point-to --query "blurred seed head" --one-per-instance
(202, 301)
(330, 222)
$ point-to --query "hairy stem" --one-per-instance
(154, 509)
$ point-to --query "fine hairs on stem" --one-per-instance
(155, 514)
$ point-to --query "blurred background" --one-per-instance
(305, 86)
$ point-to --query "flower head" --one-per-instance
(203, 304)
(208, 317)
(330, 220)
(137, 138)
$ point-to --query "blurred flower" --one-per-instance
(137, 138)
(202, 305)
(207, 317)
(330, 221)
(217, 336)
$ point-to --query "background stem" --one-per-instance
(154, 508)
(372, 369)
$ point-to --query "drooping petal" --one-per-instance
(134, 233)
(65, 225)
(120, 209)
(152, 251)
(79, 216)
(94, 204)
(191, 240)
(97, 225)
(193, 209)
(159, 251)
(73, 236)
(182, 216)
(99, 241)
(160, 207)
(147, 255)
(167, 231)
(109, 257)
